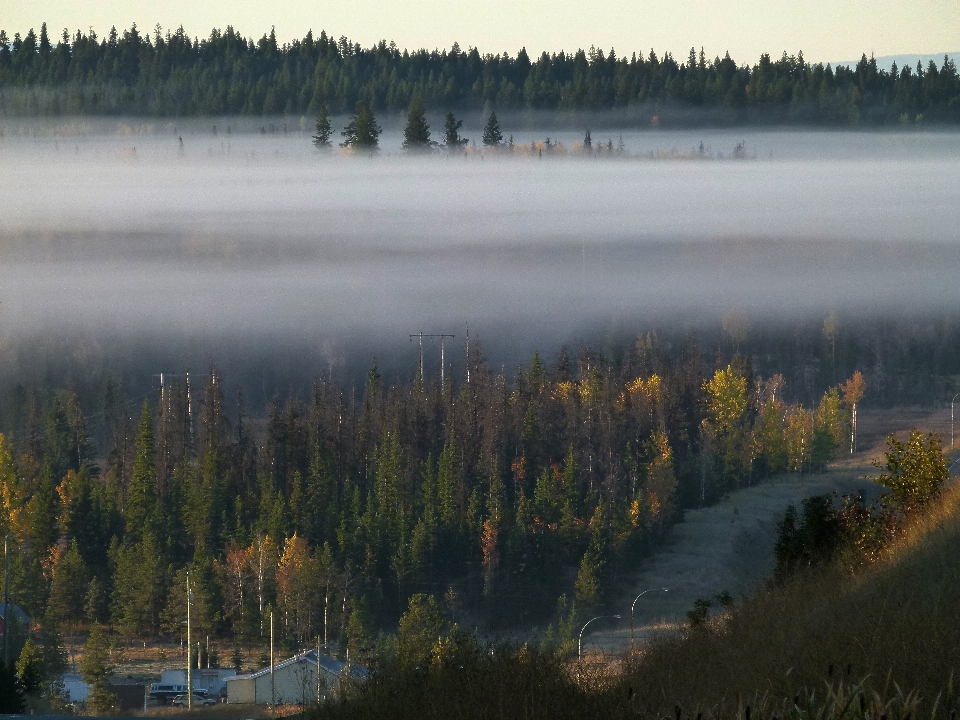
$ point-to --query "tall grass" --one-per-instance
(897, 619)
(848, 642)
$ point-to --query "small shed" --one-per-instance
(293, 681)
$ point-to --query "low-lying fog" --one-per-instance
(126, 236)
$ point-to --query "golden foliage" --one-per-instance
(854, 388)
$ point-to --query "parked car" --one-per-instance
(181, 700)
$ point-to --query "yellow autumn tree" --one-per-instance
(769, 430)
(727, 404)
(853, 389)
(661, 480)
(799, 436)
(12, 497)
(295, 586)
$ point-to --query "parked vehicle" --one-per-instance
(165, 692)
(181, 700)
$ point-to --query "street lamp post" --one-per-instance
(580, 639)
(634, 604)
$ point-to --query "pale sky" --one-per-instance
(826, 30)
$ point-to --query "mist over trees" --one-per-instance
(335, 510)
(168, 73)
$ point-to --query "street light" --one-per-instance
(634, 604)
(580, 639)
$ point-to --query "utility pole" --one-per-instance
(420, 366)
(421, 336)
(468, 353)
(273, 690)
(6, 600)
(189, 650)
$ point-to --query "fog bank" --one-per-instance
(231, 242)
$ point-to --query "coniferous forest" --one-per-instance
(164, 73)
(518, 500)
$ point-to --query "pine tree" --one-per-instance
(491, 132)
(451, 133)
(416, 135)
(323, 130)
(362, 132)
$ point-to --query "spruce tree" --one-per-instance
(96, 670)
(322, 138)
(362, 132)
(142, 496)
(30, 668)
(451, 133)
(491, 132)
(416, 135)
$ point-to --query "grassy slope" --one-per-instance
(729, 545)
(899, 617)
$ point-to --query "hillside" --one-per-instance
(895, 622)
(729, 546)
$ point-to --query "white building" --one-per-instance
(293, 681)
(211, 681)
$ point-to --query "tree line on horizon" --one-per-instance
(509, 502)
(171, 74)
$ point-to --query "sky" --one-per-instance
(826, 31)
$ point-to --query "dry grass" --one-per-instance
(725, 547)
(225, 712)
(898, 620)
(729, 545)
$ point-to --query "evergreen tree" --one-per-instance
(96, 670)
(141, 497)
(139, 587)
(451, 133)
(416, 135)
(491, 132)
(69, 585)
(419, 629)
(30, 668)
(323, 131)
(11, 691)
(362, 132)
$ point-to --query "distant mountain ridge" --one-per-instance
(884, 62)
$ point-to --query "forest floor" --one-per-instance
(728, 547)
